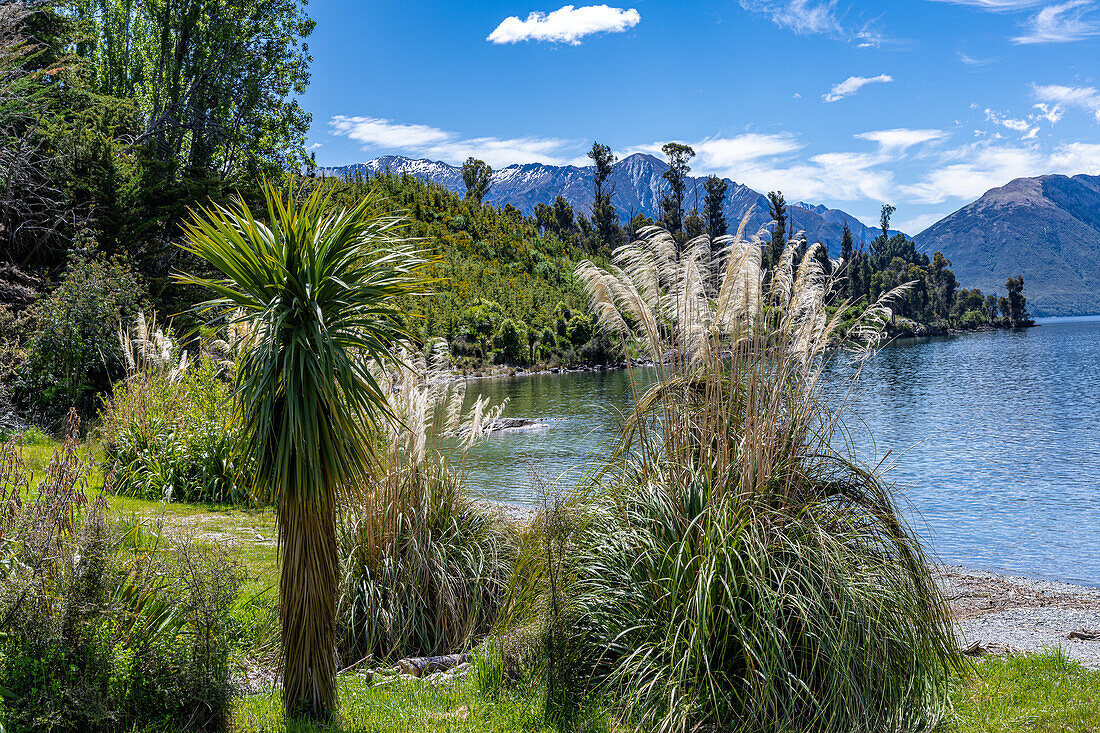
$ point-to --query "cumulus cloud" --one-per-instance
(379, 134)
(1053, 97)
(567, 24)
(853, 84)
(901, 138)
(1015, 124)
(1062, 23)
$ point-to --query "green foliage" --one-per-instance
(730, 568)
(1044, 693)
(477, 176)
(672, 203)
(74, 353)
(423, 565)
(215, 83)
(321, 291)
(174, 436)
(102, 627)
(489, 267)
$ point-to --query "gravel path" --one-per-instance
(1003, 614)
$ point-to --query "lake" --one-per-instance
(993, 438)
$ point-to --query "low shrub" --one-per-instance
(102, 626)
(168, 429)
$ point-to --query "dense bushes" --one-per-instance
(168, 428)
(103, 627)
(73, 354)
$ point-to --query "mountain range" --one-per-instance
(637, 183)
(1045, 228)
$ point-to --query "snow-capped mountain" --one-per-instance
(636, 183)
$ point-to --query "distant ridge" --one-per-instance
(1045, 228)
(637, 184)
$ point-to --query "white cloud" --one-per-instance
(853, 84)
(969, 171)
(813, 17)
(973, 60)
(1069, 21)
(1048, 112)
(996, 5)
(802, 16)
(378, 134)
(567, 24)
(1086, 98)
(901, 138)
(729, 152)
(1024, 127)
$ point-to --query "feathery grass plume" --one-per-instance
(423, 563)
(323, 288)
(735, 570)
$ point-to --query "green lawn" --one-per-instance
(1036, 693)
(400, 705)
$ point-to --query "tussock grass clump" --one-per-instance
(424, 565)
(735, 570)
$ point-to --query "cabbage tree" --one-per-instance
(321, 289)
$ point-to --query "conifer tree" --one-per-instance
(603, 213)
(714, 205)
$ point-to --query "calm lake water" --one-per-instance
(994, 440)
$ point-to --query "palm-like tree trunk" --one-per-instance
(307, 589)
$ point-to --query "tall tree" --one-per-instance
(217, 82)
(1017, 303)
(880, 245)
(33, 207)
(672, 203)
(478, 177)
(322, 293)
(714, 207)
(777, 209)
(563, 217)
(847, 256)
(603, 213)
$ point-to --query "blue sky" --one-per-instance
(922, 103)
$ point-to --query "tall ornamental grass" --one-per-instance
(424, 564)
(737, 569)
(169, 431)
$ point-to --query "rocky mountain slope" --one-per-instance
(1045, 228)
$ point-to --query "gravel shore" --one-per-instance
(1002, 614)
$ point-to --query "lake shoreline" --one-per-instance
(1001, 614)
